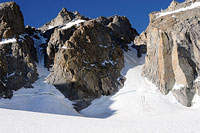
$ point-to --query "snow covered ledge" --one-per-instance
(192, 6)
(6, 41)
(70, 24)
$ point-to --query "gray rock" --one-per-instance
(196, 87)
(184, 96)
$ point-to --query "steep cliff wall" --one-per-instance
(173, 49)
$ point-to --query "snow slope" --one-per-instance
(138, 97)
(138, 107)
(43, 97)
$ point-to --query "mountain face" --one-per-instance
(173, 54)
(17, 62)
(87, 56)
(84, 56)
(12, 21)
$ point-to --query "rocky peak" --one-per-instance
(173, 5)
(12, 21)
(63, 18)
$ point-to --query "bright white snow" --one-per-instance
(177, 86)
(6, 41)
(70, 24)
(192, 6)
(138, 107)
(51, 27)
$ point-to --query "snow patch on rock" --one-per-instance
(6, 41)
(70, 24)
(192, 6)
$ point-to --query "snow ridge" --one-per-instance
(6, 41)
(70, 24)
(192, 6)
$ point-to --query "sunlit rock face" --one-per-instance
(173, 54)
(85, 56)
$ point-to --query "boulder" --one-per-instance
(184, 96)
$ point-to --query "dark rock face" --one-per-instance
(122, 32)
(17, 67)
(11, 20)
(173, 51)
(56, 42)
(17, 58)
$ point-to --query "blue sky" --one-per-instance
(38, 12)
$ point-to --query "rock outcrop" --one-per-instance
(173, 50)
(11, 20)
(122, 32)
(17, 64)
(89, 63)
(85, 56)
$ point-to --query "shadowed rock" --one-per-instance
(17, 57)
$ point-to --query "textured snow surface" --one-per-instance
(136, 108)
(6, 41)
(192, 6)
